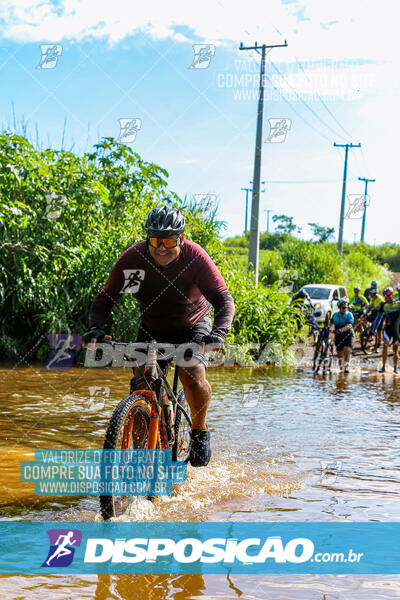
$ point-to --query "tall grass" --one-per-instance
(314, 262)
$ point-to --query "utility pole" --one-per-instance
(254, 243)
(268, 211)
(341, 221)
(247, 190)
(365, 206)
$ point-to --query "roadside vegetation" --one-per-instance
(317, 262)
(66, 218)
(64, 221)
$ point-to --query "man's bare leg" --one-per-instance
(384, 355)
(395, 355)
(197, 393)
(347, 356)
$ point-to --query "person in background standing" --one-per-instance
(344, 334)
(374, 286)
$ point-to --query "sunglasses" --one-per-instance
(156, 242)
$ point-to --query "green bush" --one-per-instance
(262, 315)
(270, 263)
(52, 266)
(361, 269)
(315, 262)
(65, 219)
(386, 254)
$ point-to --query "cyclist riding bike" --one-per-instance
(389, 313)
(396, 295)
(344, 334)
(358, 303)
(374, 286)
(175, 282)
(375, 302)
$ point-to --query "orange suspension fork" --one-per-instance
(154, 426)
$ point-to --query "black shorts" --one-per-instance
(190, 336)
(371, 318)
(345, 339)
(391, 332)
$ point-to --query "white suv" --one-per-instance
(324, 298)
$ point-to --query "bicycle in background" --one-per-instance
(324, 350)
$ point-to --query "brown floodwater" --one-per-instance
(293, 447)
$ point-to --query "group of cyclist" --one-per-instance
(381, 310)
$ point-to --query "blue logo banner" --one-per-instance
(312, 548)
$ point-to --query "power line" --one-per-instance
(309, 180)
(305, 103)
(321, 100)
(324, 103)
(297, 113)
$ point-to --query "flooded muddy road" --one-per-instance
(287, 446)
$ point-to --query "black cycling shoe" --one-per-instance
(200, 448)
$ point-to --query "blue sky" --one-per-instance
(336, 81)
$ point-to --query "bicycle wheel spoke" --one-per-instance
(128, 429)
(183, 427)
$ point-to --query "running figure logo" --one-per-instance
(55, 204)
(133, 279)
(206, 201)
(252, 394)
(50, 55)
(278, 129)
(62, 351)
(287, 277)
(62, 542)
(357, 202)
(128, 130)
(329, 471)
(203, 54)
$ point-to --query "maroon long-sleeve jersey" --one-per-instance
(172, 298)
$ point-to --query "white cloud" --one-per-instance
(329, 29)
(315, 30)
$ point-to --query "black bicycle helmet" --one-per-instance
(166, 221)
(301, 294)
(341, 302)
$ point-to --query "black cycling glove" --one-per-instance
(213, 338)
(94, 332)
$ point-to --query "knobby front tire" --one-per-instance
(182, 430)
(317, 355)
(368, 341)
(128, 428)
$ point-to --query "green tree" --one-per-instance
(284, 224)
(322, 233)
(64, 221)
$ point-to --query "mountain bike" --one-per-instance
(369, 339)
(313, 329)
(309, 322)
(360, 320)
(155, 416)
(323, 353)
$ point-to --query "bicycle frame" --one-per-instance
(325, 344)
(155, 379)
